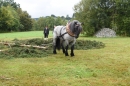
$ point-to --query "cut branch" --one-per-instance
(22, 45)
(39, 47)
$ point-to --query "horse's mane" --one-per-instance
(75, 27)
(72, 24)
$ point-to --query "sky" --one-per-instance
(42, 8)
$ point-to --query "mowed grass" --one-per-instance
(109, 66)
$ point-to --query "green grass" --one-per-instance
(22, 35)
(109, 66)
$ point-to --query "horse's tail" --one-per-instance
(58, 45)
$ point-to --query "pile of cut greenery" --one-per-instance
(18, 51)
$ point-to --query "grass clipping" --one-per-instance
(18, 51)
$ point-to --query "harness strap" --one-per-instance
(67, 31)
(61, 35)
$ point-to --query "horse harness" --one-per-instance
(67, 31)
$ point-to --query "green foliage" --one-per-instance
(16, 51)
(87, 44)
(25, 20)
(39, 24)
(12, 18)
(11, 3)
(9, 19)
(123, 18)
(15, 24)
(23, 52)
(38, 41)
(97, 14)
(3, 47)
(49, 21)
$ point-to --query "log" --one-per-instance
(2, 50)
(6, 43)
(39, 47)
(22, 45)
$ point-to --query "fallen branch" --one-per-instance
(22, 45)
(3, 50)
(39, 47)
(6, 43)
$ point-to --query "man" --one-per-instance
(46, 33)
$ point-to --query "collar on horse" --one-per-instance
(69, 31)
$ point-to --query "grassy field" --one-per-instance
(109, 66)
(22, 35)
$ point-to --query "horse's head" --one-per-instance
(75, 27)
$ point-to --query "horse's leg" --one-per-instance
(54, 46)
(66, 51)
(66, 47)
(72, 50)
(63, 49)
(62, 45)
(54, 50)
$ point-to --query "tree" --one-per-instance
(60, 21)
(25, 20)
(83, 13)
(52, 15)
(9, 19)
(6, 3)
(103, 13)
(49, 21)
(34, 25)
(122, 20)
(67, 17)
(15, 19)
(41, 23)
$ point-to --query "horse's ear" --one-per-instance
(75, 22)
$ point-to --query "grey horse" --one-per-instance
(63, 36)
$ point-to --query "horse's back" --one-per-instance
(57, 31)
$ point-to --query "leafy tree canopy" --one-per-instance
(97, 14)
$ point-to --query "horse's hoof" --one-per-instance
(72, 54)
(54, 52)
(66, 54)
(63, 51)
